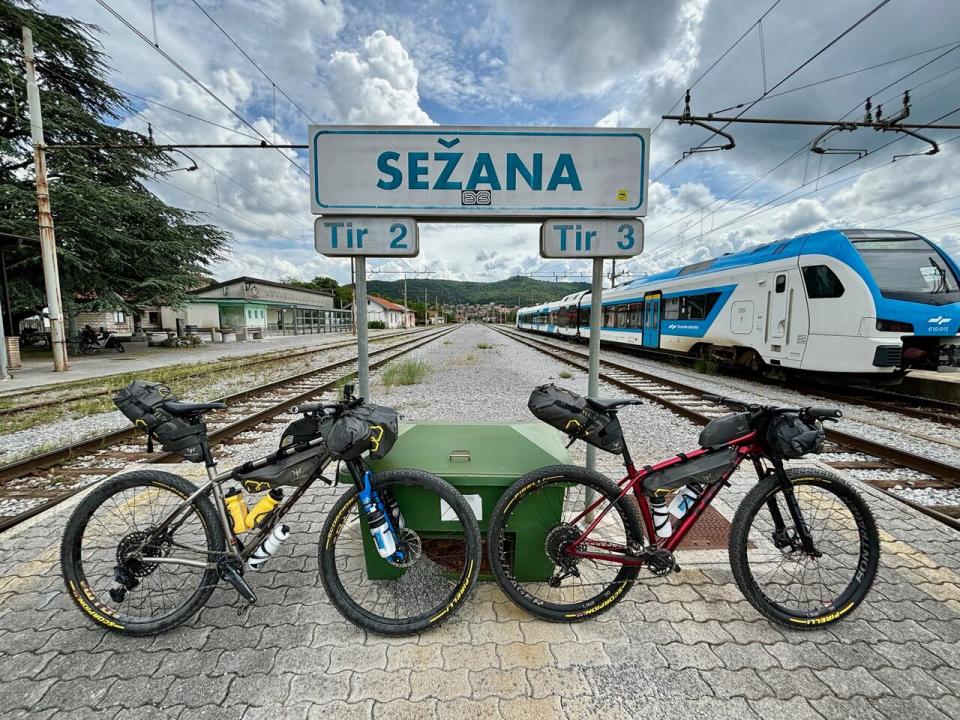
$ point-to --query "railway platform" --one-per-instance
(685, 646)
(37, 371)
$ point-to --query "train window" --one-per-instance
(821, 282)
(781, 283)
(671, 309)
(909, 269)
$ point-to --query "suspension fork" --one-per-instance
(806, 540)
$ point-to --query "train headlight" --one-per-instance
(894, 326)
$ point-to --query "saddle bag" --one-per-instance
(724, 429)
(571, 414)
(705, 470)
(360, 429)
(788, 436)
(294, 470)
(142, 402)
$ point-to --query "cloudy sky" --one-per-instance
(550, 62)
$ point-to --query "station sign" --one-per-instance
(340, 236)
(482, 173)
(591, 238)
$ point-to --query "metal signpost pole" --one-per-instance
(593, 366)
(360, 313)
(48, 241)
(3, 353)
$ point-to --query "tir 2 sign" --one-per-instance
(586, 238)
(484, 173)
(337, 236)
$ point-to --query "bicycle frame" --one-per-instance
(747, 446)
(213, 487)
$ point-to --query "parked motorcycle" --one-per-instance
(90, 343)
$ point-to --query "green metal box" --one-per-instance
(481, 460)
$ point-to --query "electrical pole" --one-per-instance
(48, 240)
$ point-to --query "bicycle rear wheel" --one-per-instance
(782, 581)
(110, 533)
(440, 569)
(534, 523)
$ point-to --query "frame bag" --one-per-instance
(360, 429)
(570, 413)
(142, 402)
(705, 470)
(789, 436)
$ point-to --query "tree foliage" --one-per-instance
(118, 245)
(342, 294)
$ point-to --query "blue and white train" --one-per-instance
(856, 304)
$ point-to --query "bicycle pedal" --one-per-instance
(232, 576)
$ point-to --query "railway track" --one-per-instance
(41, 397)
(848, 451)
(37, 483)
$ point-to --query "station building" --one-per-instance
(251, 305)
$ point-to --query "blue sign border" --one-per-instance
(478, 209)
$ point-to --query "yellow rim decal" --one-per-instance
(337, 522)
(90, 611)
(824, 619)
(601, 606)
(456, 598)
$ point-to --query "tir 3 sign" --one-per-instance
(482, 173)
(591, 238)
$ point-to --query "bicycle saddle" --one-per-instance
(175, 407)
(611, 404)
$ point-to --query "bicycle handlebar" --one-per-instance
(813, 413)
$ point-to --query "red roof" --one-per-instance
(387, 304)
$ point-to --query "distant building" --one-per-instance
(389, 313)
(436, 319)
(251, 304)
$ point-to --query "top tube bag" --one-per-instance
(570, 413)
(142, 402)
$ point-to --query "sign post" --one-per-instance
(372, 184)
(596, 238)
(360, 238)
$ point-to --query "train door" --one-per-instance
(779, 307)
(651, 319)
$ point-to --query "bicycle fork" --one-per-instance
(382, 513)
(781, 537)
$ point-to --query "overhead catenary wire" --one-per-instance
(253, 62)
(200, 84)
(876, 8)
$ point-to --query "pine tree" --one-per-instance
(119, 246)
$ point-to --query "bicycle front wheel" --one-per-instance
(441, 544)
(110, 541)
(791, 585)
(534, 525)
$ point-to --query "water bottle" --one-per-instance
(393, 510)
(382, 536)
(268, 547)
(263, 508)
(684, 500)
(661, 518)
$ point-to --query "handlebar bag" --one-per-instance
(704, 470)
(570, 413)
(789, 436)
(724, 429)
(142, 402)
(360, 429)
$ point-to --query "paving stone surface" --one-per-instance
(683, 646)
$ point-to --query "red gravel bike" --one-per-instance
(566, 543)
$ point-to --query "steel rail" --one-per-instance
(904, 458)
(274, 356)
(218, 436)
(51, 458)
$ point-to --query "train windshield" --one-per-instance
(909, 269)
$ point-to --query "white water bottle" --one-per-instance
(382, 536)
(684, 500)
(268, 547)
(661, 518)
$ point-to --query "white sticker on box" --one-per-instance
(448, 514)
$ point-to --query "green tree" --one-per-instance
(119, 246)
